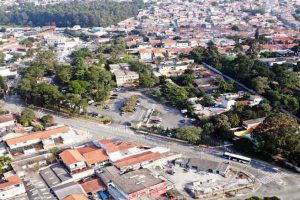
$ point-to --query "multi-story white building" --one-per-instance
(124, 76)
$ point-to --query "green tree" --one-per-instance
(283, 131)
(260, 84)
(189, 133)
(78, 87)
(64, 14)
(212, 56)
(46, 59)
(27, 117)
(47, 120)
(174, 94)
(208, 128)
(234, 119)
(4, 162)
(147, 78)
(63, 73)
(3, 85)
(2, 58)
(207, 100)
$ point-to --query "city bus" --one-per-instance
(237, 158)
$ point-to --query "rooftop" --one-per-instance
(76, 197)
(38, 135)
(136, 159)
(94, 185)
(132, 181)
(10, 181)
(6, 118)
(71, 156)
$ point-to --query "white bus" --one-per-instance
(237, 158)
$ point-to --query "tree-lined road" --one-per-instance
(99, 131)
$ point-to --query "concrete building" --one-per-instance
(124, 76)
(139, 184)
(204, 165)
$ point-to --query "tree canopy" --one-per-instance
(189, 133)
(95, 13)
(283, 131)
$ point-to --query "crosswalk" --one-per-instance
(272, 177)
(116, 128)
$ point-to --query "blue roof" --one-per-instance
(103, 195)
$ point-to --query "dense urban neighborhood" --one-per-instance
(153, 99)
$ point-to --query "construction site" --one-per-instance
(207, 179)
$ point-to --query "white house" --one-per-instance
(11, 186)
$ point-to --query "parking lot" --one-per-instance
(171, 117)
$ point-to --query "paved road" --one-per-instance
(257, 168)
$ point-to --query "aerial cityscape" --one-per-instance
(149, 99)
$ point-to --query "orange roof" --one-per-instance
(12, 180)
(76, 197)
(71, 156)
(132, 160)
(94, 185)
(169, 42)
(114, 146)
(95, 156)
(6, 118)
(159, 50)
(83, 150)
(142, 51)
(38, 135)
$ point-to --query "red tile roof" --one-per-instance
(71, 156)
(114, 146)
(38, 135)
(12, 180)
(145, 51)
(96, 156)
(94, 185)
(83, 150)
(136, 159)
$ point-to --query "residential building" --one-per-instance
(11, 186)
(83, 161)
(7, 120)
(30, 143)
(252, 123)
(145, 54)
(93, 186)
